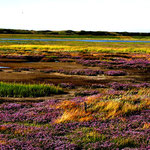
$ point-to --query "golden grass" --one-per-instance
(42, 49)
(2, 142)
(104, 107)
(3, 128)
(73, 112)
(146, 126)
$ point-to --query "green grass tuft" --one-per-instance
(27, 90)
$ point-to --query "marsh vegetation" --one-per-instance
(93, 95)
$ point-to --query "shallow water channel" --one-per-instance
(80, 40)
(2, 67)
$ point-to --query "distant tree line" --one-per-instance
(13, 31)
(71, 32)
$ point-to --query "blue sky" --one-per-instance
(95, 15)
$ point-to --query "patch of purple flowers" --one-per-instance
(127, 86)
(115, 73)
(87, 72)
(67, 85)
(87, 93)
(122, 63)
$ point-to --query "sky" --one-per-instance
(89, 15)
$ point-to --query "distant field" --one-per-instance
(45, 47)
(40, 46)
(45, 36)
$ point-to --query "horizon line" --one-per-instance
(74, 30)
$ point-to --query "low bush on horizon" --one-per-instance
(27, 90)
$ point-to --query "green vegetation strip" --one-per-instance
(27, 90)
